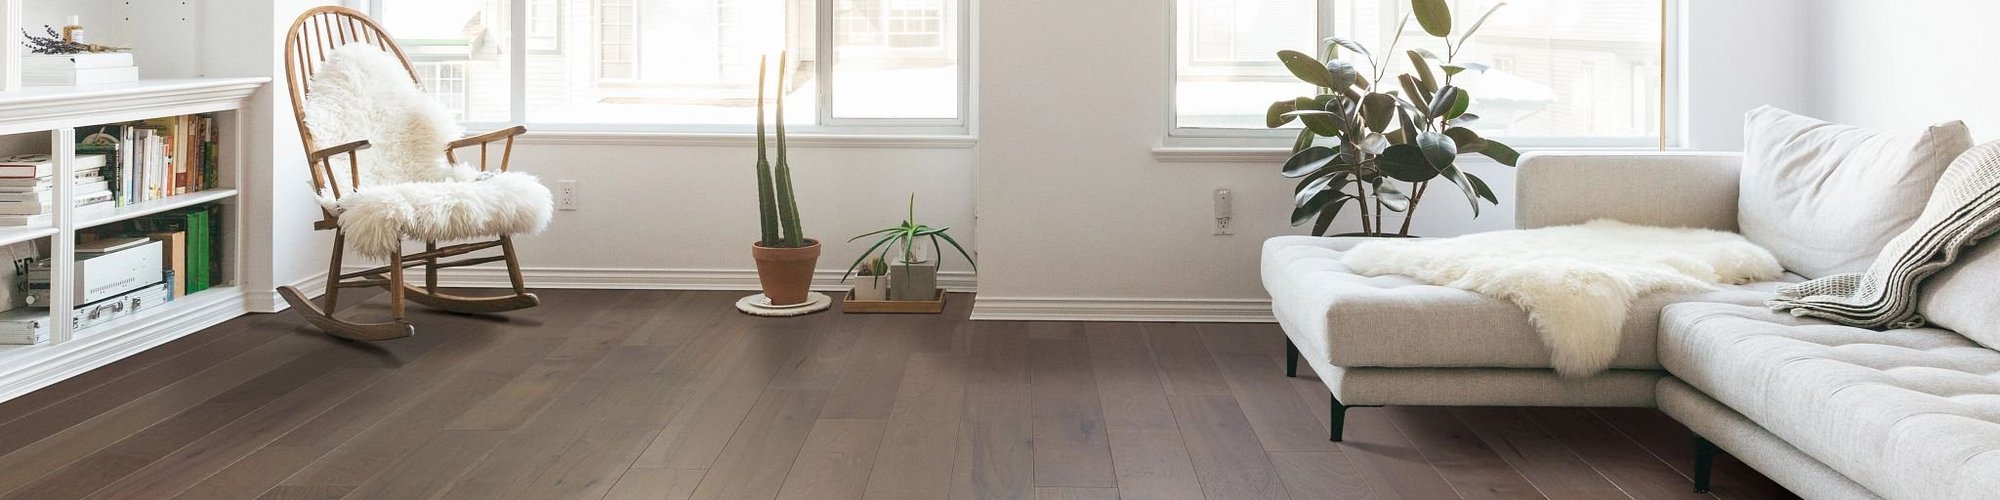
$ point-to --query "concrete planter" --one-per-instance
(913, 281)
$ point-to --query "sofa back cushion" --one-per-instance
(1962, 298)
(1825, 198)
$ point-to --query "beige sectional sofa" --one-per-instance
(1828, 411)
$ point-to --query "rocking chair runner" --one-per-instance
(312, 39)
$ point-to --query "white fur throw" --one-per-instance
(407, 189)
(1575, 282)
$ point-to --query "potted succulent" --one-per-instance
(871, 280)
(1379, 144)
(785, 257)
(913, 276)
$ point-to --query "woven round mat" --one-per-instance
(759, 305)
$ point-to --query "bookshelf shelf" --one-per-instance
(12, 235)
(98, 215)
(57, 113)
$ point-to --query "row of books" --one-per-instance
(155, 158)
(27, 184)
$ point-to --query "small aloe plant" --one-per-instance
(905, 236)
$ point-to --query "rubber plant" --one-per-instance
(1379, 145)
(785, 257)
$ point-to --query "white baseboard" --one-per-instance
(653, 279)
(268, 301)
(1148, 310)
(29, 368)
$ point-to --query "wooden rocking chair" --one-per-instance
(313, 37)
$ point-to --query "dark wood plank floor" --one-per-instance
(673, 395)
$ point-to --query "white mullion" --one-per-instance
(824, 13)
(62, 246)
(517, 60)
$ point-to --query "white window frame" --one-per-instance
(892, 132)
(1187, 143)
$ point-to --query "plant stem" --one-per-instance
(1410, 214)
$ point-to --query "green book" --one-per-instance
(201, 257)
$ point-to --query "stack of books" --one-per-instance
(64, 70)
(24, 326)
(155, 158)
(27, 187)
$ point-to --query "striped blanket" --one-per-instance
(1964, 208)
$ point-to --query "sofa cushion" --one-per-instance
(1906, 413)
(1825, 198)
(1962, 299)
(1397, 321)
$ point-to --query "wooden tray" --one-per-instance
(934, 306)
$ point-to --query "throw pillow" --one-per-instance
(1825, 198)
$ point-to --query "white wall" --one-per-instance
(1073, 205)
(1905, 64)
(665, 210)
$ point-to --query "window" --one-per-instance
(445, 81)
(1561, 72)
(867, 66)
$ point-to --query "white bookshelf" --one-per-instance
(55, 113)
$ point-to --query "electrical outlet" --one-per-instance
(1225, 213)
(566, 195)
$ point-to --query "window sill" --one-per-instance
(856, 141)
(1183, 154)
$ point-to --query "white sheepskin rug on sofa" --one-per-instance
(1575, 282)
(407, 189)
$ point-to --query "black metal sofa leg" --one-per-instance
(1704, 463)
(1291, 358)
(1337, 419)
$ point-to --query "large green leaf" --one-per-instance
(1343, 73)
(1306, 161)
(1349, 45)
(1309, 179)
(1377, 110)
(1321, 184)
(1450, 102)
(1425, 78)
(1305, 140)
(1438, 149)
(1325, 123)
(1447, 99)
(1406, 162)
(1471, 194)
(1304, 211)
(1275, 116)
(1462, 119)
(1434, 15)
(1468, 141)
(1390, 196)
(1481, 22)
(1306, 68)
(1479, 186)
(1328, 214)
(1414, 92)
(1501, 153)
(1456, 68)
(1373, 143)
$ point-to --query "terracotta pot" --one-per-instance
(786, 273)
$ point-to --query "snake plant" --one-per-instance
(777, 207)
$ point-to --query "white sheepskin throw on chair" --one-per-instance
(1575, 282)
(407, 189)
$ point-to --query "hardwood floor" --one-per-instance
(674, 395)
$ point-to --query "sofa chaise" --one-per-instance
(1828, 411)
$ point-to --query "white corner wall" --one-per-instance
(1906, 64)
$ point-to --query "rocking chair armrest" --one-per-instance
(325, 153)
(487, 137)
